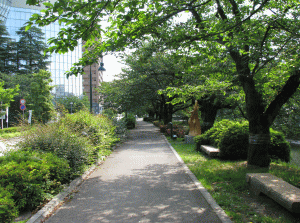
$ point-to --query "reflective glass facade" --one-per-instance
(4, 8)
(19, 13)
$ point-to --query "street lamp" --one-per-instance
(101, 68)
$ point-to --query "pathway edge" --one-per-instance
(59, 199)
(216, 208)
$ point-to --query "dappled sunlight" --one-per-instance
(139, 182)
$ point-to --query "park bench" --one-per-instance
(277, 189)
(210, 150)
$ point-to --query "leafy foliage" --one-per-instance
(79, 103)
(225, 181)
(39, 98)
(257, 39)
(7, 95)
(30, 49)
(24, 56)
(8, 210)
(232, 139)
(63, 142)
(51, 155)
(77, 138)
(31, 177)
(130, 121)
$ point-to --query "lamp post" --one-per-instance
(101, 68)
(91, 93)
(71, 103)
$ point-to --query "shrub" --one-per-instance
(157, 123)
(279, 148)
(32, 177)
(214, 134)
(120, 126)
(163, 128)
(8, 210)
(178, 130)
(10, 130)
(77, 138)
(95, 128)
(232, 139)
(61, 141)
(130, 121)
(148, 119)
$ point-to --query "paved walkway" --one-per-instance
(142, 181)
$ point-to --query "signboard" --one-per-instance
(22, 107)
(30, 115)
(7, 109)
(22, 101)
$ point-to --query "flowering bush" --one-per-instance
(178, 130)
(163, 128)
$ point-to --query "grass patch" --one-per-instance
(226, 182)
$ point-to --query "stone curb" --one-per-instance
(216, 208)
(59, 199)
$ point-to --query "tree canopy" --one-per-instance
(261, 39)
(25, 55)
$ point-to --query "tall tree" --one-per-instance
(5, 49)
(7, 95)
(78, 103)
(29, 53)
(259, 36)
(40, 99)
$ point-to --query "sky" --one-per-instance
(112, 66)
(111, 62)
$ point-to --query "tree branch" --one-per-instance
(221, 11)
(283, 96)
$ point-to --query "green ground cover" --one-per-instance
(225, 181)
(49, 157)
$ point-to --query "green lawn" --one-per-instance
(226, 182)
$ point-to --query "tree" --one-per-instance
(5, 49)
(78, 103)
(29, 56)
(39, 98)
(26, 55)
(7, 95)
(11, 81)
(149, 71)
(259, 36)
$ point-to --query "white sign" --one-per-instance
(7, 114)
(30, 115)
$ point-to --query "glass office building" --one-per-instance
(4, 8)
(16, 16)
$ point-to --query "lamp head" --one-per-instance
(101, 68)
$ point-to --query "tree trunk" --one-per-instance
(168, 112)
(259, 143)
(259, 125)
(161, 110)
(208, 115)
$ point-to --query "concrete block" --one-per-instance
(210, 151)
(277, 189)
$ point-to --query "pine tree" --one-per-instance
(30, 56)
(5, 49)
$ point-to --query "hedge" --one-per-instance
(232, 139)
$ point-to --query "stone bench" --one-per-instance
(210, 150)
(277, 189)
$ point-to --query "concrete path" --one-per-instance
(142, 181)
